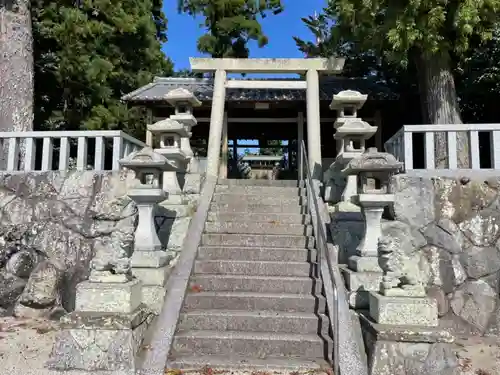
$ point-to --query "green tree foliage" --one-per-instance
(88, 54)
(432, 34)
(276, 150)
(230, 24)
(432, 27)
(477, 74)
(187, 73)
(368, 63)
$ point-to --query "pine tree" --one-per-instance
(230, 24)
(433, 35)
(90, 53)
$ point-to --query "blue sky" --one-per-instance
(183, 31)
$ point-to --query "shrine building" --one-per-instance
(271, 109)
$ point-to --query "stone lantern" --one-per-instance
(351, 135)
(347, 103)
(373, 170)
(114, 305)
(149, 261)
(170, 133)
(184, 101)
(400, 298)
(148, 167)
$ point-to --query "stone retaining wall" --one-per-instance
(50, 222)
(453, 225)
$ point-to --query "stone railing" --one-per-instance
(347, 351)
(56, 146)
(403, 143)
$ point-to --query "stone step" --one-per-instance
(255, 284)
(245, 267)
(242, 363)
(249, 227)
(247, 301)
(259, 240)
(286, 254)
(251, 344)
(276, 191)
(248, 182)
(258, 199)
(279, 218)
(257, 208)
(253, 321)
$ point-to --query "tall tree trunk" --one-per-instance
(440, 105)
(16, 69)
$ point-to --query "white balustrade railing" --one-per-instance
(402, 143)
(61, 143)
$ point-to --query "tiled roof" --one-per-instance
(203, 89)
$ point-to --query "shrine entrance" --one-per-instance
(259, 144)
(239, 116)
(309, 71)
(278, 130)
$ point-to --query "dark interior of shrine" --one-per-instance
(390, 121)
(388, 112)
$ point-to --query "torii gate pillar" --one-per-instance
(311, 68)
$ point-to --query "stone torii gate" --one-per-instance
(310, 67)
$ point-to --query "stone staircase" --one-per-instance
(253, 300)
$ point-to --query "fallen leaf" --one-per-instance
(173, 371)
(196, 288)
(43, 329)
(465, 364)
(265, 373)
(207, 371)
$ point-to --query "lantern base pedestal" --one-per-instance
(362, 276)
(153, 269)
(97, 341)
(359, 285)
(410, 311)
(393, 349)
(108, 297)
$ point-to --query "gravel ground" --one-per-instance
(25, 346)
(479, 355)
